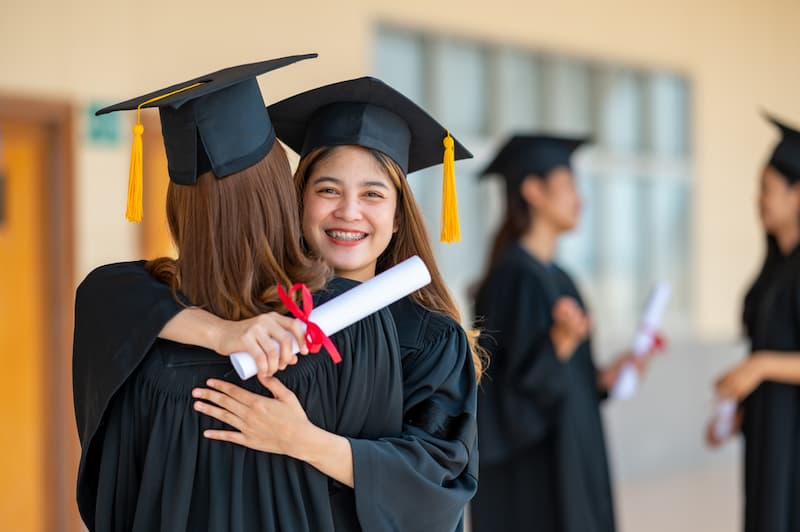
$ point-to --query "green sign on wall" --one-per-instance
(104, 129)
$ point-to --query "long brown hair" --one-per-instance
(237, 238)
(411, 238)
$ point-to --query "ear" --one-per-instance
(532, 189)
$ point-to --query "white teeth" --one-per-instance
(346, 235)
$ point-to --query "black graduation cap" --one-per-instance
(214, 122)
(367, 112)
(786, 155)
(527, 154)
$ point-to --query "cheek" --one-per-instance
(567, 202)
(313, 214)
(385, 218)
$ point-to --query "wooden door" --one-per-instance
(23, 153)
(38, 443)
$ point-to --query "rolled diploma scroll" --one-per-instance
(724, 416)
(628, 379)
(354, 305)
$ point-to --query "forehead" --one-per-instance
(560, 174)
(351, 165)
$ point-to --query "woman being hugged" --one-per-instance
(145, 463)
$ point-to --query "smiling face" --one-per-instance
(349, 206)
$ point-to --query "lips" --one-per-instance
(346, 236)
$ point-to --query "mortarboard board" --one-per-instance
(214, 122)
(367, 112)
(523, 155)
(786, 154)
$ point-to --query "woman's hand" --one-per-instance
(275, 425)
(258, 336)
(740, 382)
(713, 439)
(262, 423)
(571, 326)
(607, 377)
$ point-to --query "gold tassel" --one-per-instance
(133, 213)
(451, 230)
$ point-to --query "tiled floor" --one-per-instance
(699, 501)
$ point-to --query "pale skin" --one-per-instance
(348, 219)
(556, 207)
(779, 211)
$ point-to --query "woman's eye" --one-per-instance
(326, 191)
(374, 194)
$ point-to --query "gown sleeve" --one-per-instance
(114, 337)
(422, 479)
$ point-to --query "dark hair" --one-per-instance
(771, 258)
(517, 220)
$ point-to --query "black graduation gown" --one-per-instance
(771, 424)
(145, 464)
(543, 457)
(420, 480)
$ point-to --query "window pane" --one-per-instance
(669, 115)
(400, 62)
(567, 93)
(518, 92)
(460, 92)
(619, 110)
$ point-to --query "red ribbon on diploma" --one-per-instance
(659, 342)
(315, 337)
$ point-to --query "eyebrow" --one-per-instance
(337, 181)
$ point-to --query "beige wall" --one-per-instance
(739, 55)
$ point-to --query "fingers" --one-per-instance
(295, 328)
(236, 392)
(219, 414)
(569, 315)
(257, 352)
(285, 340)
(641, 363)
(278, 390)
(277, 335)
(728, 391)
(272, 354)
(220, 400)
(711, 436)
(226, 435)
(728, 387)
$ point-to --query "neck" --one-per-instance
(788, 239)
(540, 241)
(360, 275)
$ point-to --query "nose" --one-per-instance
(349, 208)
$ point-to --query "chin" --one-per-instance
(767, 224)
(343, 264)
(569, 225)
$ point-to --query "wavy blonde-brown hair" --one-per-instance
(237, 239)
(411, 238)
